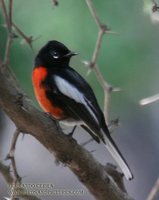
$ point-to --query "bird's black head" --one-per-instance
(54, 54)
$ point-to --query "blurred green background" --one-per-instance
(128, 60)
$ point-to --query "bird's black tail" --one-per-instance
(114, 151)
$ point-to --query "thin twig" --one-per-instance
(97, 47)
(154, 191)
(104, 84)
(11, 155)
(5, 172)
(8, 21)
(27, 39)
(93, 64)
(93, 12)
(102, 30)
(7, 50)
(149, 100)
(4, 12)
(15, 179)
(15, 171)
(10, 4)
(107, 90)
(13, 144)
(113, 124)
(106, 105)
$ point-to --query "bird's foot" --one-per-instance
(72, 132)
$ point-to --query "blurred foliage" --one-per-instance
(128, 60)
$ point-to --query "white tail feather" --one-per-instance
(118, 158)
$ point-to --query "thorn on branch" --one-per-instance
(92, 64)
(110, 89)
(116, 175)
(155, 7)
(104, 28)
(149, 100)
(19, 99)
(55, 2)
(88, 64)
(116, 89)
(26, 39)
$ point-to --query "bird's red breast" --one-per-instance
(39, 74)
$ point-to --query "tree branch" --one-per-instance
(94, 13)
(13, 144)
(28, 119)
(5, 171)
(93, 64)
(12, 157)
(10, 4)
(149, 100)
(8, 21)
(98, 45)
(154, 191)
(4, 12)
(117, 176)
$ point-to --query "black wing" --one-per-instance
(78, 98)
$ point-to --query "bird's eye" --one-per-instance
(55, 55)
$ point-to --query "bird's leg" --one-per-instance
(55, 121)
(73, 130)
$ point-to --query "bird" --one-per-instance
(68, 98)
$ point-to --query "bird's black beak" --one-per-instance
(70, 54)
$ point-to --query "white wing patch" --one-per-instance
(7, 198)
(69, 90)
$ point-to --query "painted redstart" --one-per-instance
(66, 96)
